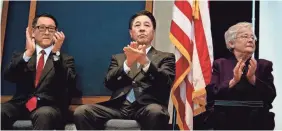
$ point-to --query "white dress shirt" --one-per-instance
(38, 54)
(145, 69)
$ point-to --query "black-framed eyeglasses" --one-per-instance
(42, 28)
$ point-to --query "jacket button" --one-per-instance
(151, 77)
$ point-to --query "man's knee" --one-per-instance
(9, 110)
(156, 110)
(46, 118)
(81, 111)
(3, 114)
(47, 112)
(153, 117)
(9, 114)
(5, 121)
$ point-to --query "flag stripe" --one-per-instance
(180, 109)
(202, 49)
(175, 89)
(189, 90)
(181, 37)
(183, 22)
(197, 72)
(183, 64)
(185, 7)
(180, 48)
(177, 54)
(204, 7)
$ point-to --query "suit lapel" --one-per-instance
(151, 56)
(31, 65)
(152, 52)
(48, 66)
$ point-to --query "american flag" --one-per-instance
(190, 33)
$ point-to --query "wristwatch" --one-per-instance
(57, 53)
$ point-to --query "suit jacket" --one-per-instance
(263, 90)
(154, 85)
(56, 81)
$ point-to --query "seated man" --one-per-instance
(43, 77)
(140, 79)
(241, 78)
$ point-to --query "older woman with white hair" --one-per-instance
(241, 91)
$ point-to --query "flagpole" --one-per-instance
(253, 18)
(173, 118)
(253, 14)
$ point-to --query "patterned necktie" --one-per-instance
(31, 103)
(131, 95)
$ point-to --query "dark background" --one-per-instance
(94, 31)
(225, 14)
(97, 29)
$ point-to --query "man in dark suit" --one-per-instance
(140, 79)
(241, 80)
(43, 77)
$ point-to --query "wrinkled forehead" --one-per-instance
(245, 30)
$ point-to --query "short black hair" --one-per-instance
(34, 22)
(140, 13)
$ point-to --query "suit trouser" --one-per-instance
(43, 118)
(150, 117)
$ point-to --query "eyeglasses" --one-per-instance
(51, 29)
(245, 37)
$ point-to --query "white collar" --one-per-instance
(47, 50)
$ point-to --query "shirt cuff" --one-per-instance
(125, 67)
(25, 57)
(146, 67)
